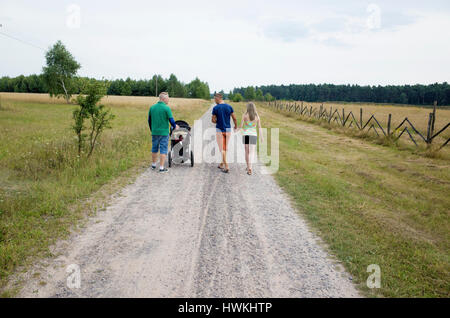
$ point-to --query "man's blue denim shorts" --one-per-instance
(160, 143)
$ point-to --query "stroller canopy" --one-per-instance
(183, 124)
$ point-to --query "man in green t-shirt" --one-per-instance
(159, 117)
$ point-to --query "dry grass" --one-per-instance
(126, 101)
(417, 115)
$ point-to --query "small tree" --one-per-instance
(60, 70)
(259, 95)
(237, 98)
(250, 93)
(198, 89)
(268, 97)
(230, 96)
(99, 117)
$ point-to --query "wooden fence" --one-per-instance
(372, 124)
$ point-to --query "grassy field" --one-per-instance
(417, 115)
(43, 185)
(370, 203)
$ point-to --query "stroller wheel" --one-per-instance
(170, 159)
(192, 159)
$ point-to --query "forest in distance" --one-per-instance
(393, 94)
(36, 84)
(400, 94)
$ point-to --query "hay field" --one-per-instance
(128, 101)
(417, 115)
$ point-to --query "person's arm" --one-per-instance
(150, 121)
(172, 123)
(171, 120)
(234, 120)
(214, 116)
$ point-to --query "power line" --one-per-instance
(25, 42)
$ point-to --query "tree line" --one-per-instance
(402, 94)
(248, 94)
(128, 87)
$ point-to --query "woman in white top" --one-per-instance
(250, 120)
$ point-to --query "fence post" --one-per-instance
(343, 117)
(429, 129)
(331, 114)
(389, 124)
(360, 118)
(434, 120)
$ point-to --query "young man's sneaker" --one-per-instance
(163, 170)
(153, 167)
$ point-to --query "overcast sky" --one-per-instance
(236, 43)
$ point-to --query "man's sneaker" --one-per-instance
(164, 170)
(153, 167)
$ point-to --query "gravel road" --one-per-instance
(195, 232)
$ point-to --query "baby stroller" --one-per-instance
(180, 144)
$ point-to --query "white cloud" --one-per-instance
(236, 43)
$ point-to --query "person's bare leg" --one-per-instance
(162, 160)
(251, 155)
(219, 139)
(224, 159)
(247, 155)
(224, 152)
(154, 158)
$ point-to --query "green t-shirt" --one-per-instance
(160, 114)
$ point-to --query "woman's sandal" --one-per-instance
(220, 167)
(249, 172)
(225, 170)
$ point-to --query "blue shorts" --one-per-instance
(160, 143)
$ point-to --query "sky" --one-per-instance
(235, 43)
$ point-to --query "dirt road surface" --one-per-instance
(195, 232)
